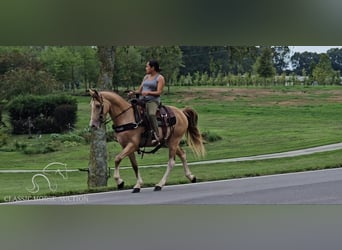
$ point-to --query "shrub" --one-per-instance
(85, 134)
(210, 136)
(39, 149)
(3, 137)
(42, 114)
(19, 146)
(2, 124)
(65, 116)
(70, 137)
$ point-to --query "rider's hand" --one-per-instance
(145, 93)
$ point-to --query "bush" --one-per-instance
(2, 124)
(3, 137)
(70, 137)
(85, 134)
(210, 136)
(65, 116)
(42, 114)
(40, 148)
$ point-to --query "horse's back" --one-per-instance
(181, 120)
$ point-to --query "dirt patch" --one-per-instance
(264, 96)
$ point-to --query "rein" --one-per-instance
(122, 112)
(109, 119)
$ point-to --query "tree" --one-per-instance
(106, 55)
(24, 81)
(323, 73)
(21, 72)
(245, 56)
(128, 67)
(63, 63)
(240, 59)
(335, 56)
(281, 58)
(97, 167)
(264, 65)
(195, 59)
(88, 67)
(12, 58)
(71, 65)
(305, 60)
(219, 59)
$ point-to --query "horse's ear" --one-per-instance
(93, 93)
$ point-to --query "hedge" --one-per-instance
(42, 114)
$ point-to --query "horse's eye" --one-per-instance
(98, 106)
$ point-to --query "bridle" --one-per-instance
(101, 116)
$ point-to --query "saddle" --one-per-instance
(165, 118)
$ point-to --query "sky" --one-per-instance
(317, 49)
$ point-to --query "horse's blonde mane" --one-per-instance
(115, 96)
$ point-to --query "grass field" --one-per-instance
(250, 121)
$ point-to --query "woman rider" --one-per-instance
(150, 90)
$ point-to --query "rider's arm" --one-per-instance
(160, 87)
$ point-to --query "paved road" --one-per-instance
(312, 187)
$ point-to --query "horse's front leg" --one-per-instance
(170, 165)
(127, 150)
(134, 164)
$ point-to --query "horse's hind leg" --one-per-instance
(181, 154)
(134, 164)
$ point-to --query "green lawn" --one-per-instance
(251, 121)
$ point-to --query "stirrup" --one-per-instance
(156, 140)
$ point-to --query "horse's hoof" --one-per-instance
(157, 188)
(194, 180)
(121, 185)
(136, 190)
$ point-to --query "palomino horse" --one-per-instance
(122, 114)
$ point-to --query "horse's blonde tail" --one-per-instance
(193, 135)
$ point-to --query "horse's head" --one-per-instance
(99, 109)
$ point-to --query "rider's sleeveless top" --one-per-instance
(150, 85)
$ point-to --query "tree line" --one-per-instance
(44, 69)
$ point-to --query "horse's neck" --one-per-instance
(118, 105)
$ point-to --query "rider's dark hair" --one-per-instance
(155, 64)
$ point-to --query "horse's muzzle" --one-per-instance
(94, 124)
